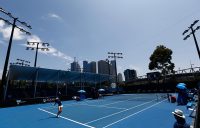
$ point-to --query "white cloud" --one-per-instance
(18, 35)
(55, 16)
(1, 24)
(6, 31)
(52, 51)
(34, 38)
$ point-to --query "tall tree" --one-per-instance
(161, 60)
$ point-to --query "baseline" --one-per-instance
(66, 118)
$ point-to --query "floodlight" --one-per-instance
(196, 21)
(29, 26)
(9, 14)
(185, 31)
(198, 27)
(24, 23)
(22, 30)
(186, 37)
(28, 33)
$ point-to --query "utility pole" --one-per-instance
(115, 56)
(15, 20)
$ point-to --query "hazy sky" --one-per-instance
(89, 29)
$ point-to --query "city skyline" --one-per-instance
(88, 30)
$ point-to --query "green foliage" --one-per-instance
(161, 60)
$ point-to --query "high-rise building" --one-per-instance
(93, 67)
(120, 78)
(86, 66)
(130, 74)
(103, 67)
(75, 66)
(89, 67)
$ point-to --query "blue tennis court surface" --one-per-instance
(118, 111)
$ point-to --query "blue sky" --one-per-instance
(89, 29)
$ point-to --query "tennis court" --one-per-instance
(117, 111)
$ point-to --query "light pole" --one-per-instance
(192, 33)
(115, 56)
(197, 118)
(31, 45)
(15, 20)
(108, 62)
(44, 48)
(21, 62)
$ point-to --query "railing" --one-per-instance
(180, 71)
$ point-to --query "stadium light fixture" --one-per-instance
(193, 33)
(43, 48)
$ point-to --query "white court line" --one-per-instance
(110, 103)
(102, 106)
(93, 101)
(71, 104)
(85, 102)
(100, 100)
(134, 114)
(121, 101)
(66, 118)
(127, 94)
(119, 112)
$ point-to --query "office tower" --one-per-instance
(75, 66)
(130, 74)
(86, 66)
(103, 67)
(92, 67)
(89, 67)
(120, 78)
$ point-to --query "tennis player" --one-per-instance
(60, 106)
